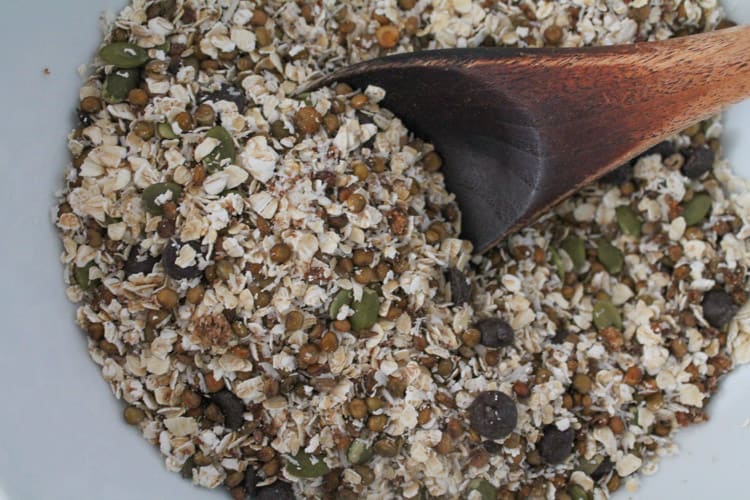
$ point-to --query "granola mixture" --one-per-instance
(275, 287)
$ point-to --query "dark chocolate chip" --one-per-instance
(137, 263)
(225, 93)
(699, 161)
(718, 308)
(231, 407)
(169, 258)
(460, 286)
(603, 470)
(493, 414)
(280, 490)
(556, 445)
(495, 332)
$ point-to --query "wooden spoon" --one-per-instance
(521, 129)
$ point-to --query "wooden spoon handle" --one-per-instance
(606, 105)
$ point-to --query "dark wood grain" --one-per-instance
(520, 129)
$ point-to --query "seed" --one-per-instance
(294, 320)
(582, 383)
(91, 104)
(213, 384)
(123, 55)
(606, 314)
(471, 337)
(224, 270)
(167, 298)
(386, 448)
(308, 355)
(495, 332)
(329, 342)
(223, 154)
(556, 445)
(358, 452)
(307, 120)
(305, 465)
(365, 276)
(577, 492)
(184, 120)
(553, 34)
(432, 162)
(138, 97)
(406, 4)
(633, 376)
(190, 399)
(205, 115)
(356, 203)
(342, 298)
(388, 36)
(700, 160)
(445, 446)
(493, 414)
(362, 257)
(357, 408)
(263, 36)
(396, 386)
(376, 423)
(259, 18)
(144, 130)
(331, 124)
(628, 220)
(195, 295)
(133, 415)
(280, 253)
(697, 209)
(118, 85)
(610, 257)
(574, 247)
(359, 101)
(365, 311)
(154, 195)
(718, 308)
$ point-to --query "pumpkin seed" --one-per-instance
(166, 131)
(589, 466)
(217, 159)
(306, 466)
(610, 257)
(557, 262)
(359, 452)
(154, 191)
(697, 209)
(365, 310)
(577, 492)
(574, 247)
(483, 487)
(123, 55)
(81, 276)
(118, 84)
(606, 314)
(344, 297)
(628, 220)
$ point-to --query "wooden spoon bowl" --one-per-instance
(521, 129)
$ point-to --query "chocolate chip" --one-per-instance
(460, 286)
(618, 176)
(699, 161)
(280, 490)
(169, 258)
(718, 308)
(225, 93)
(663, 149)
(603, 470)
(493, 414)
(556, 445)
(492, 447)
(250, 482)
(495, 332)
(231, 407)
(137, 263)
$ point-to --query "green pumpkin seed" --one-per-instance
(123, 55)
(628, 220)
(577, 492)
(217, 159)
(589, 466)
(610, 257)
(557, 262)
(365, 310)
(697, 209)
(606, 314)
(344, 297)
(119, 83)
(359, 452)
(151, 193)
(306, 466)
(81, 276)
(166, 131)
(483, 487)
(574, 247)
